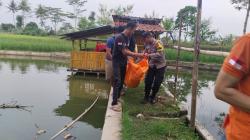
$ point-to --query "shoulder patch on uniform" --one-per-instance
(119, 43)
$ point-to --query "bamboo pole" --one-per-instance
(196, 64)
(74, 121)
(177, 60)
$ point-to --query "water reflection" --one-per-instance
(184, 83)
(82, 92)
(56, 100)
(209, 109)
(23, 63)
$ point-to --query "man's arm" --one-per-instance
(127, 52)
(108, 52)
(225, 91)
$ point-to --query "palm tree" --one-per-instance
(25, 8)
(12, 6)
(42, 13)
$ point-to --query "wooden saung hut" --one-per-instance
(84, 59)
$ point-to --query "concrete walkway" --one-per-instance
(112, 125)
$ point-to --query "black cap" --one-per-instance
(131, 25)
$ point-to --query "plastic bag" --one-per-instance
(135, 72)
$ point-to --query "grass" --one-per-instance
(171, 54)
(33, 43)
(55, 44)
(149, 129)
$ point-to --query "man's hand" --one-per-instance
(225, 91)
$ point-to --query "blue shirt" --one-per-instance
(111, 42)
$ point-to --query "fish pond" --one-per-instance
(53, 99)
(210, 111)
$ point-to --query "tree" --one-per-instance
(206, 31)
(245, 5)
(19, 23)
(31, 29)
(84, 24)
(188, 15)
(12, 6)
(7, 27)
(92, 16)
(153, 15)
(105, 15)
(42, 13)
(77, 7)
(66, 28)
(25, 8)
(126, 10)
(168, 24)
(56, 15)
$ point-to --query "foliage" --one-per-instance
(84, 23)
(168, 24)
(105, 14)
(31, 29)
(19, 23)
(56, 15)
(188, 16)
(242, 4)
(13, 8)
(77, 7)
(42, 14)
(152, 15)
(25, 8)
(66, 28)
(206, 32)
(7, 27)
(92, 16)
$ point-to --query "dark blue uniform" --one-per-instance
(119, 64)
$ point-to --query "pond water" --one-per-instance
(209, 109)
(55, 98)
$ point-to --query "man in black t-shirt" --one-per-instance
(119, 58)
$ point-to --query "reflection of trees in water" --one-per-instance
(184, 84)
(24, 64)
(82, 92)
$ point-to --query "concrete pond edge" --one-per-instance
(112, 125)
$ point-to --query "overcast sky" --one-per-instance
(224, 17)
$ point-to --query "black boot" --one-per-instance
(145, 99)
(152, 100)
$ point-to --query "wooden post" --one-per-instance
(85, 44)
(80, 44)
(73, 44)
(196, 64)
(177, 60)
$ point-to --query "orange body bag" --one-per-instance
(135, 72)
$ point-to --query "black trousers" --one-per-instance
(153, 80)
(119, 72)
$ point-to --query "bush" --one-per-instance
(7, 27)
(32, 29)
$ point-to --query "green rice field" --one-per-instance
(33, 43)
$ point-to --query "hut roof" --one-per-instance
(144, 24)
(103, 30)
